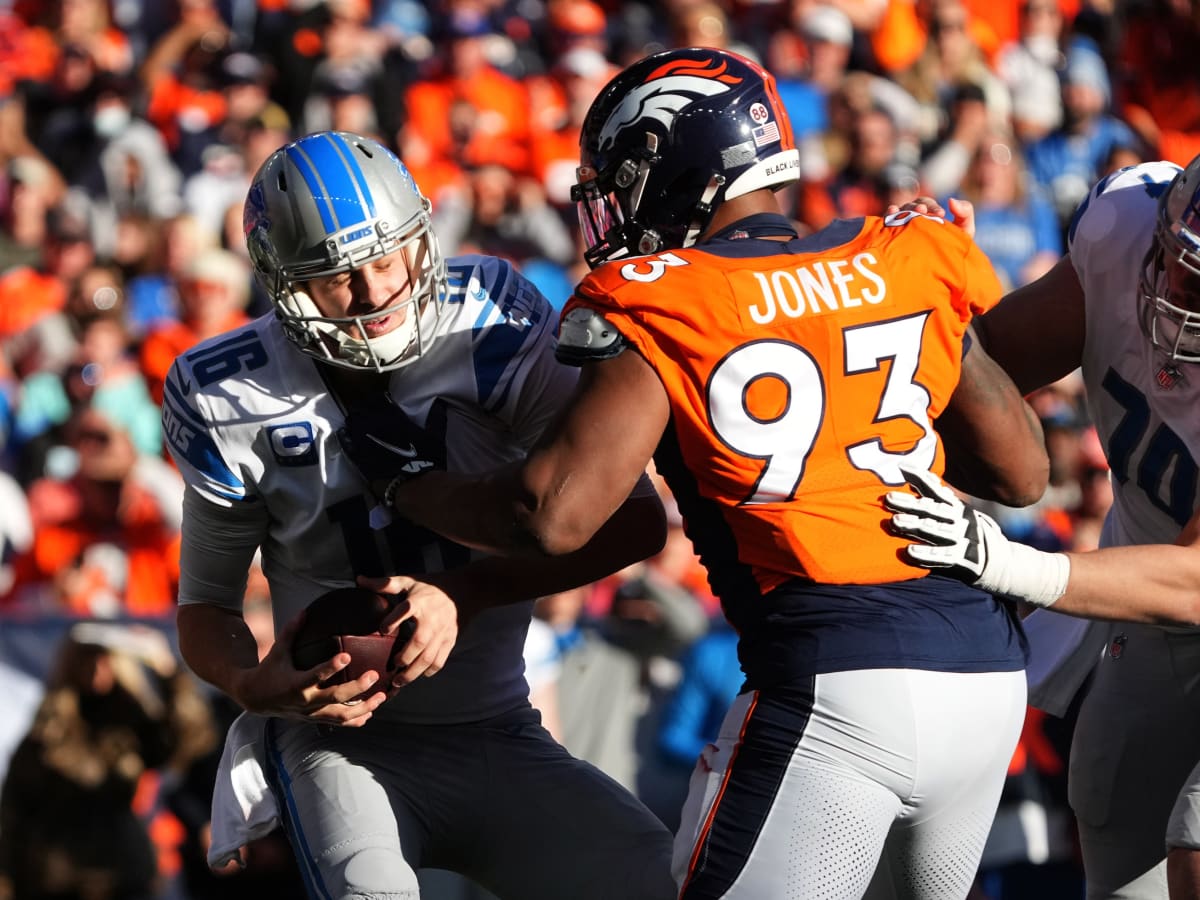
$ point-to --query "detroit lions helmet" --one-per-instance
(668, 140)
(1169, 288)
(328, 203)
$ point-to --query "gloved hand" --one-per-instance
(968, 545)
(386, 445)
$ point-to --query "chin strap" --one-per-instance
(703, 210)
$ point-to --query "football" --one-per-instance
(347, 619)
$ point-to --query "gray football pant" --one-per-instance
(499, 801)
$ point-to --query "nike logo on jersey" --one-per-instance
(409, 452)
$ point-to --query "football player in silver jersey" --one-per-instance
(455, 357)
(1124, 304)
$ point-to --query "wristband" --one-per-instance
(1018, 570)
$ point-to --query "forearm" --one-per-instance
(482, 513)
(217, 645)
(1154, 583)
(635, 531)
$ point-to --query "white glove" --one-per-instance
(968, 545)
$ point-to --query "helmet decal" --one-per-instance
(666, 92)
(334, 180)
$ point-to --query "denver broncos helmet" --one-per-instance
(333, 201)
(1169, 288)
(668, 140)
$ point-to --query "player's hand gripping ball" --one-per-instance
(349, 620)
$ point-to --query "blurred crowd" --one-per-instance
(129, 130)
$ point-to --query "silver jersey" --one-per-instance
(1144, 409)
(252, 427)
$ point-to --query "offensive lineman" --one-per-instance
(1124, 304)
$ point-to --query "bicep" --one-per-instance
(586, 467)
(1036, 333)
(994, 443)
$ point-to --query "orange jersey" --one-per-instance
(801, 375)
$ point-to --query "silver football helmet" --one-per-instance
(331, 202)
(1169, 287)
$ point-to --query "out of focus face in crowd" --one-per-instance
(873, 141)
(106, 452)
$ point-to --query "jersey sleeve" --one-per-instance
(981, 289)
(190, 439)
(217, 546)
(519, 378)
(1116, 217)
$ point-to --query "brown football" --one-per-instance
(347, 619)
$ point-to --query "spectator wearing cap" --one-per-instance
(343, 99)
(246, 81)
(559, 102)
(213, 295)
(347, 76)
(464, 111)
(59, 109)
(809, 62)
(1069, 160)
(1030, 66)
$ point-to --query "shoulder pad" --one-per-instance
(585, 335)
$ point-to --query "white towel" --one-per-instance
(243, 807)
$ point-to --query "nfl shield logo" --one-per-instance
(1167, 377)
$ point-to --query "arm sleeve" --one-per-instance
(217, 548)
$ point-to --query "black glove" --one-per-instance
(385, 444)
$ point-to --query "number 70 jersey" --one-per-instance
(801, 376)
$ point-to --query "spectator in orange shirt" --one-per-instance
(213, 294)
(29, 293)
(182, 78)
(106, 536)
(560, 104)
(488, 120)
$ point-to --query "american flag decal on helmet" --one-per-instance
(766, 134)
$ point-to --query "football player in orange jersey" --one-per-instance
(780, 384)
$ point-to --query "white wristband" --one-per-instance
(1018, 570)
